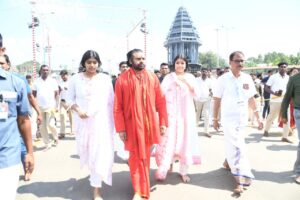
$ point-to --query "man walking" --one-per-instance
(276, 86)
(45, 89)
(164, 70)
(64, 110)
(138, 99)
(293, 92)
(233, 92)
(203, 102)
(14, 120)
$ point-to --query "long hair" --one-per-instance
(87, 55)
(130, 55)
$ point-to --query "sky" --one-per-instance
(109, 27)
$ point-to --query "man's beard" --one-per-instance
(138, 67)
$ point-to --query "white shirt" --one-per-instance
(277, 82)
(235, 93)
(204, 86)
(64, 89)
(45, 92)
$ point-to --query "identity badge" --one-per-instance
(246, 86)
(3, 110)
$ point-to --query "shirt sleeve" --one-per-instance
(71, 92)
(119, 107)
(22, 101)
(286, 99)
(252, 89)
(34, 85)
(218, 88)
(270, 81)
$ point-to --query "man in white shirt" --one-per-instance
(203, 102)
(64, 108)
(233, 92)
(276, 86)
(45, 89)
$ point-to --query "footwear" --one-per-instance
(47, 147)
(208, 135)
(297, 180)
(55, 142)
(286, 140)
(61, 136)
(266, 134)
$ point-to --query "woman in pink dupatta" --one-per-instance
(181, 141)
(91, 96)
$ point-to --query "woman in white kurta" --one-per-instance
(91, 96)
(181, 141)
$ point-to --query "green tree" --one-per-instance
(210, 60)
(27, 67)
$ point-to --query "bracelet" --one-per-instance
(215, 119)
(256, 110)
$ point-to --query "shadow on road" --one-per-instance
(277, 177)
(216, 179)
(68, 189)
(80, 189)
(286, 147)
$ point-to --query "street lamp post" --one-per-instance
(143, 29)
(34, 23)
(218, 53)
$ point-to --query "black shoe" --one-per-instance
(286, 140)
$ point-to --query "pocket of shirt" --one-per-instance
(12, 107)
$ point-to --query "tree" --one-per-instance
(27, 67)
(209, 60)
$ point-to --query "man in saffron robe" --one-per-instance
(138, 99)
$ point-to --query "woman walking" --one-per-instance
(181, 141)
(91, 96)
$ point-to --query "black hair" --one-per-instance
(42, 66)
(7, 60)
(130, 55)
(28, 76)
(122, 63)
(164, 64)
(234, 53)
(282, 63)
(181, 56)
(87, 55)
(1, 41)
(63, 72)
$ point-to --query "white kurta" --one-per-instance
(181, 141)
(94, 135)
(235, 93)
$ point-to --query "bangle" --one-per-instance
(256, 110)
(215, 119)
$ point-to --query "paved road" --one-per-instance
(58, 175)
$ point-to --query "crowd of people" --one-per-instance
(144, 114)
